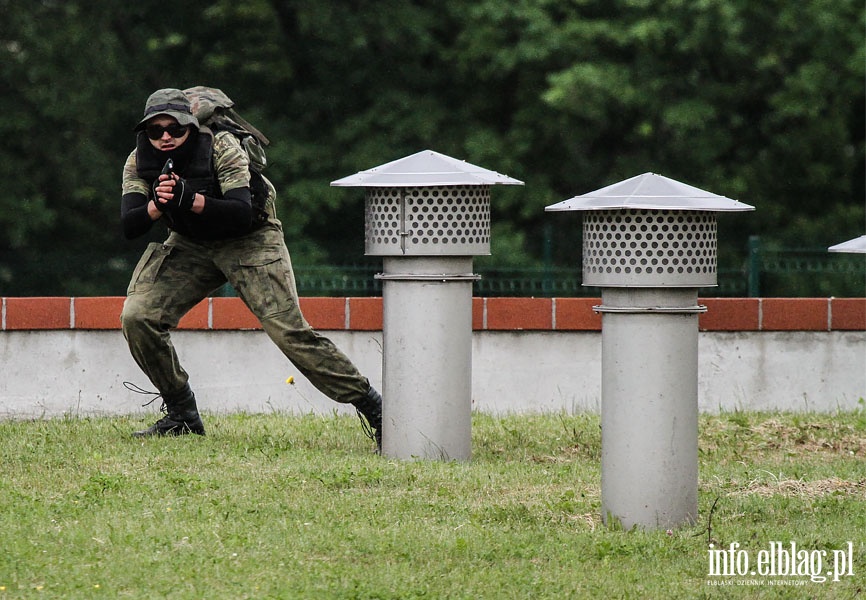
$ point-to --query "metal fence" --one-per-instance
(763, 272)
(780, 273)
(803, 272)
(539, 282)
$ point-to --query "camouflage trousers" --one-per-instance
(174, 276)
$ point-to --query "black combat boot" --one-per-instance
(181, 416)
(370, 408)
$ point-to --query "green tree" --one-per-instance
(762, 102)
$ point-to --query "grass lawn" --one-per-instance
(279, 506)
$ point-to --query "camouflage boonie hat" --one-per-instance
(171, 102)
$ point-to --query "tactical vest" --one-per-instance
(199, 173)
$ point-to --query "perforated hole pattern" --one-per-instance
(382, 223)
(643, 246)
(438, 220)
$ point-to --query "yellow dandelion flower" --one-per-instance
(290, 380)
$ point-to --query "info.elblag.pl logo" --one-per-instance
(781, 561)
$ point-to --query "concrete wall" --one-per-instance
(64, 356)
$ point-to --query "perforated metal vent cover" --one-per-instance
(428, 221)
(649, 248)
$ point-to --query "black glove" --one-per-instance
(182, 198)
(156, 199)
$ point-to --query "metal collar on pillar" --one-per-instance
(427, 215)
(649, 243)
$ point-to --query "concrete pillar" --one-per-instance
(649, 243)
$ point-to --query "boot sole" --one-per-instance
(173, 432)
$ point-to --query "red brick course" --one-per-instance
(98, 313)
(795, 314)
(365, 314)
(324, 313)
(519, 313)
(576, 314)
(37, 313)
(232, 313)
(198, 317)
(730, 314)
(493, 314)
(848, 313)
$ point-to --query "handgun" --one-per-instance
(167, 169)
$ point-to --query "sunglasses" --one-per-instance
(175, 130)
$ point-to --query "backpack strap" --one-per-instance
(246, 125)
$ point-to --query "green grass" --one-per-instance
(277, 506)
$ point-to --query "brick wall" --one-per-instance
(489, 314)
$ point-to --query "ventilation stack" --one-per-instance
(427, 215)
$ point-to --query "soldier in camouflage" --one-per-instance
(203, 196)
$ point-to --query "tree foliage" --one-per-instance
(758, 101)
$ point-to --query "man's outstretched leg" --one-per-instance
(265, 281)
(165, 286)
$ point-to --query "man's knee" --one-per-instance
(136, 315)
